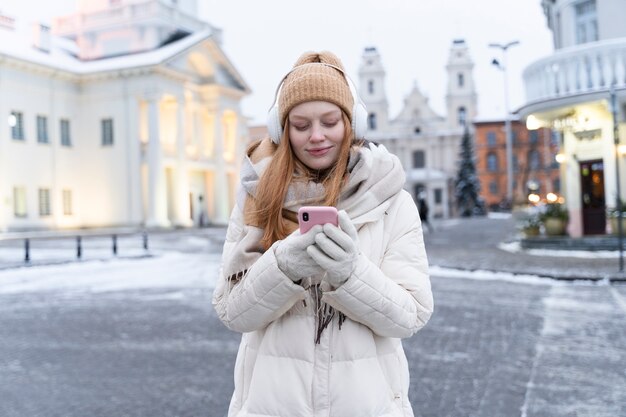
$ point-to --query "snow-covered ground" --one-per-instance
(168, 270)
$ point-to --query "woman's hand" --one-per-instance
(336, 250)
(292, 257)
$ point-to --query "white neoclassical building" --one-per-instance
(125, 113)
(427, 143)
(570, 92)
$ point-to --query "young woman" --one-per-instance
(322, 313)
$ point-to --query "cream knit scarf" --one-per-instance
(375, 177)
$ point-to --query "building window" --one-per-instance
(556, 185)
(586, 22)
(514, 138)
(491, 138)
(16, 121)
(461, 114)
(533, 137)
(419, 159)
(533, 160)
(438, 195)
(67, 202)
(460, 79)
(19, 202)
(493, 187)
(371, 121)
(42, 129)
(107, 132)
(66, 139)
(44, 202)
(492, 162)
(370, 86)
(515, 163)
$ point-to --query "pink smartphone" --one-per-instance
(309, 216)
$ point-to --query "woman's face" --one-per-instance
(316, 131)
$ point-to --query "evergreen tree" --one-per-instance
(467, 184)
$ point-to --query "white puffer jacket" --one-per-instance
(359, 370)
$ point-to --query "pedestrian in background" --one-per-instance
(322, 313)
(422, 208)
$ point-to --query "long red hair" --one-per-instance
(280, 173)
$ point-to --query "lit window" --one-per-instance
(67, 202)
(19, 202)
(44, 202)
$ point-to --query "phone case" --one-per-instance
(309, 216)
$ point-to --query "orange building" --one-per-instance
(535, 170)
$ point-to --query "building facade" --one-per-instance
(126, 113)
(572, 91)
(427, 143)
(535, 170)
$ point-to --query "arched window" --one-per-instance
(461, 114)
(492, 162)
(370, 86)
(460, 79)
(371, 121)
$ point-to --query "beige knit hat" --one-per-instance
(311, 80)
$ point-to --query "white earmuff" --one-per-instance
(359, 112)
(359, 118)
(274, 127)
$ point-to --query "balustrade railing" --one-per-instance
(577, 70)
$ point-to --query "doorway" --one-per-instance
(593, 199)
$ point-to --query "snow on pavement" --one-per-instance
(170, 270)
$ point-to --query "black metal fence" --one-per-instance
(72, 244)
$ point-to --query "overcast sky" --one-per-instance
(264, 37)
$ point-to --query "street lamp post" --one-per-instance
(502, 66)
(618, 202)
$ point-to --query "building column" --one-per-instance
(133, 151)
(220, 178)
(181, 185)
(6, 197)
(157, 198)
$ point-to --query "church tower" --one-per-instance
(372, 89)
(461, 92)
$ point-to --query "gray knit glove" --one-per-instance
(292, 257)
(336, 250)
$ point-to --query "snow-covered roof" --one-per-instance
(18, 43)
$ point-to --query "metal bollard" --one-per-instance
(115, 245)
(79, 248)
(145, 241)
(27, 250)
